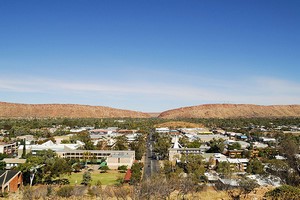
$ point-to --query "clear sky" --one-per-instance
(150, 55)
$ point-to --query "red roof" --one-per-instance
(127, 175)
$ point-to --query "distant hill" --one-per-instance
(15, 110)
(232, 111)
(179, 124)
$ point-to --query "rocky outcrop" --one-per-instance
(14, 110)
(232, 111)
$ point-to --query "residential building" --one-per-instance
(13, 162)
(8, 148)
(10, 180)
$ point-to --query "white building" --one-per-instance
(49, 145)
(162, 130)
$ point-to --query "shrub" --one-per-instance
(104, 169)
(27, 193)
(122, 168)
(284, 192)
(95, 191)
(79, 191)
(65, 191)
(86, 178)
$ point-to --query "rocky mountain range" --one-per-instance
(15, 110)
(232, 111)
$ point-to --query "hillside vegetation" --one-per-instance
(232, 111)
(14, 110)
(221, 111)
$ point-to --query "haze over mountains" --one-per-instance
(15, 110)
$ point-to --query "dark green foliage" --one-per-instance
(51, 167)
(86, 178)
(123, 167)
(121, 143)
(284, 192)
(248, 184)
(2, 165)
(2, 156)
(193, 164)
(216, 146)
(235, 145)
(184, 141)
(136, 170)
(85, 138)
(162, 145)
(104, 169)
(139, 146)
(255, 166)
(224, 168)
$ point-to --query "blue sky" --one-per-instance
(150, 55)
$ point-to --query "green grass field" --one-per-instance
(109, 178)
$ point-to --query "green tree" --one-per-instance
(139, 146)
(86, 178)
(224, 168)
(255, 166)
(162, 145)
(136, 173)
(48, 165)
(121, 143)
(248, 184)
(216, 146)
(2, 165)
(284, 192)
(193, 164)
(24, 149)
(235, 145)
(85, 138)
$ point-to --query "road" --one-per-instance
(151, 165)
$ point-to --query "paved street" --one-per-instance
(151, 165)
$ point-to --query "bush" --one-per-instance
(63, 181)
(95, 191)
(104, 169)
(65, 191)
(86, 178)
(284, 192)
(79, 191)
(122, 168)
(27, 193)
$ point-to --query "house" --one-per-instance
(8, 148)
(10, 180)
(236, 164)
(234, 153)
(13, 162)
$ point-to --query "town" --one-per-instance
(110, 158)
